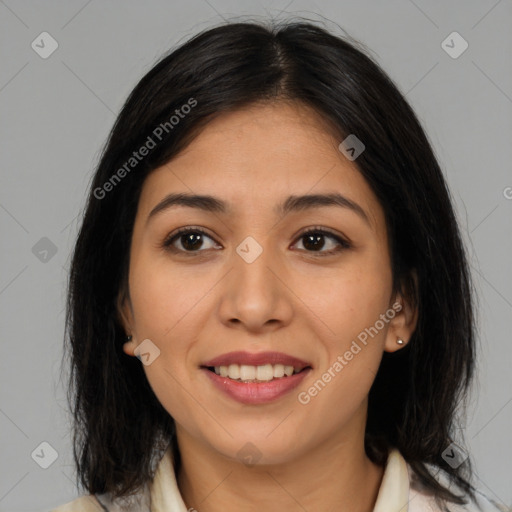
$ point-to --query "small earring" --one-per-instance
(400, 341)
(129, 338)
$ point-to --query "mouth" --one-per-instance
(253, 374)
(256, 367)
(254, 391)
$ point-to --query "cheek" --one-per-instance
(353, 353)
(350, 304)
(168, 305)
(351, 298)
(164, 295)
(160, 307)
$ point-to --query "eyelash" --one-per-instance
(343, 244)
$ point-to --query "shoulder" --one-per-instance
(139, 502)
(420, 500)
(88, 503)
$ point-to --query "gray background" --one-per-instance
(56, 114)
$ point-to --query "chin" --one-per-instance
(256, 448)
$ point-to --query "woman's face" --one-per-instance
(256, 283)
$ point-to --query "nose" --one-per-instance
(255, 296)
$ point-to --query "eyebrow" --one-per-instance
(212, 204)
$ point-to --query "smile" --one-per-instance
(255, 378)
(248, 373)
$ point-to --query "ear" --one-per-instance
(405, 306)
(125, 317)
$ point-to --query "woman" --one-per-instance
(269, 302)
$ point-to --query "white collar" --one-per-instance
(393, 492)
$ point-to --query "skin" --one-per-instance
(197, 305)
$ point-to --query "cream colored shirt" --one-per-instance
(399, 492)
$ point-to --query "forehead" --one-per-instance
(255, 156)
(292, 127)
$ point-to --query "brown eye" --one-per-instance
(188, 240)
(195, 240)
(315, 241)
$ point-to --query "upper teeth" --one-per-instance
(247, 372)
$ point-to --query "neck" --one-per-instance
(334, 476)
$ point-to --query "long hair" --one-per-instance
(415, 400)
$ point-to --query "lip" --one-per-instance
(258, 359)
(254, 393)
